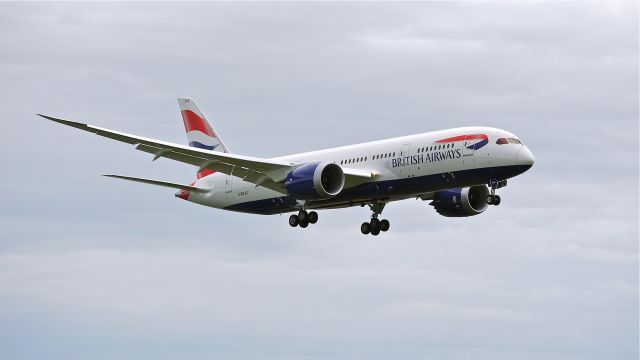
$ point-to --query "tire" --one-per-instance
(313, 217)
(365, 228)
(303, 224)
(303, 216)
(293, 220)
(384, 225)
(375, 226)
(489, 200)
(496, 200)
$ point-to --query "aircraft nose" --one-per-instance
(525, 157)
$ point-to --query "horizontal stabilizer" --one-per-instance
(159, 183)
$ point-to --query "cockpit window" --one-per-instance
(502, 141)
(514, 141)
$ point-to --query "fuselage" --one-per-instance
(404, 167)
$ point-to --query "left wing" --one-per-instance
(264, 172)
(259, 171)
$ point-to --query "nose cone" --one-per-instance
(525, 157)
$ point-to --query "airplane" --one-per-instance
(458, 170)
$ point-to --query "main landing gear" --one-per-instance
(303, 219)
(493, 199)
(375, 226)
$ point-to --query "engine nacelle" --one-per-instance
(461, 202)
(318, 180)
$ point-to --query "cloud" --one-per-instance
(92, 267)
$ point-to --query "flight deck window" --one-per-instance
(502, 141)
(514, 141)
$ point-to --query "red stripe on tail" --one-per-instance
(194, 122)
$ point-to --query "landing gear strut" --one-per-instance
(374, 226)
(493, 199)
(303, 219)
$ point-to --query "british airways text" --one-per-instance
(427, 157)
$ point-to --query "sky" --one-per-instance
(96, 268)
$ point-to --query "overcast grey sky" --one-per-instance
(94, 268)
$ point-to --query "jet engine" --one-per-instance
(316, 180)
(461, 202)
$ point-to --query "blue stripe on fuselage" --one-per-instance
(367, 192)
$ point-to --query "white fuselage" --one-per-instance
(404, 167)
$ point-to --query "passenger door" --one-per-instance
(468, 150)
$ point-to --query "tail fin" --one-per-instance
(199, 131)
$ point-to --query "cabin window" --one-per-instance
(502, 141)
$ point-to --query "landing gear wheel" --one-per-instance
(365, 228)
(375, 226)
(303, 216)
(313, 217)
(490, 200)
(293, 220)
(384, 225)
(496, 200)
(304, 224)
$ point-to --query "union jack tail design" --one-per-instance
(199, 132)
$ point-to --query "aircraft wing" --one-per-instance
(259, 171)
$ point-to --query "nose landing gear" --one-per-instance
(493, 199)
(375, 226)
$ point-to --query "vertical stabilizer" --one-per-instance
(199, 132)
